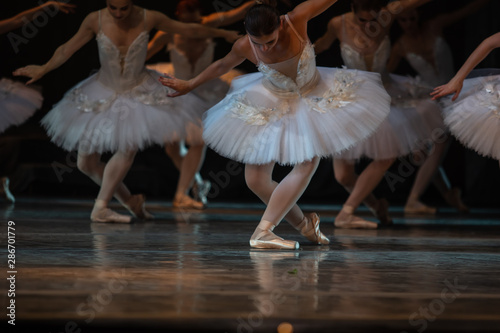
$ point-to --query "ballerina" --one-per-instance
(365, 45)
(122, 108)
(474, 116)
(18, 102)
(290, 112)
(189, 57)
(422, 44)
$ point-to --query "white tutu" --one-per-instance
(94, 118)
(255, 126)
(474, 118)
(17, 103)
(414, 122)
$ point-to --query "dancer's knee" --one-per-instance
(345, 175)
(86, 165)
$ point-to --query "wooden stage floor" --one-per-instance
(195, 272)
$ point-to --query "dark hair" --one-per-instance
(368, 5)
(189, 6)
(262, 19)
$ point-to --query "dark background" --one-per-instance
(45, 169)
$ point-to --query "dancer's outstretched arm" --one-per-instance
(194, 30)
(220, 67)
(220, 19)
(308, 10)
(456, 83)
(63, 52)
(28, 15)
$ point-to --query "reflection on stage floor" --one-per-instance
(195, 272)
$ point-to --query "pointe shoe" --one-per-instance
(5, 191)
(309, 227)
(347, 220)
(186, 202)
(106, 215)
(453, 198)
(136, 205)
(264, 238)
(382, 212)
(200, 191)
(418, 208)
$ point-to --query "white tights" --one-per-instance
(280, 198)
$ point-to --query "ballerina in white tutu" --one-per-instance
(365, 45)
(474, 115)
(190, 56)
(122, 108)
(290, 113)
(422, 44)
(18, 102)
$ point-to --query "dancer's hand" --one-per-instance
(34, 72)
(454, 86)
(63, 7)
(181, 87)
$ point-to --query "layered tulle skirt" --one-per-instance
(414, 122)
(256, 126)
(17, 103)
(95, 118)
(474, 118)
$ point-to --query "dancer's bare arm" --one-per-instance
(235, 57)
(63, 52)
(163, 23)
(28, 15)
(157, 43)
(325, 42)
(456, 83)
(222, 18)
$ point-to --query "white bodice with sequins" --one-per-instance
(443, 70)
(122, 72)
(281, 84)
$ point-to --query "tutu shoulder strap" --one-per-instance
(100, 29)
(253, 48)
(344, 33)
(293, 29)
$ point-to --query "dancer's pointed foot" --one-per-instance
(102, 214)
(264, 238)
(200, 191)
(454, 198)
(381, 212)
(182, 201)
(5, 191)
(347, 220)
(309, 227)
(418, 208)
(136, 205)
